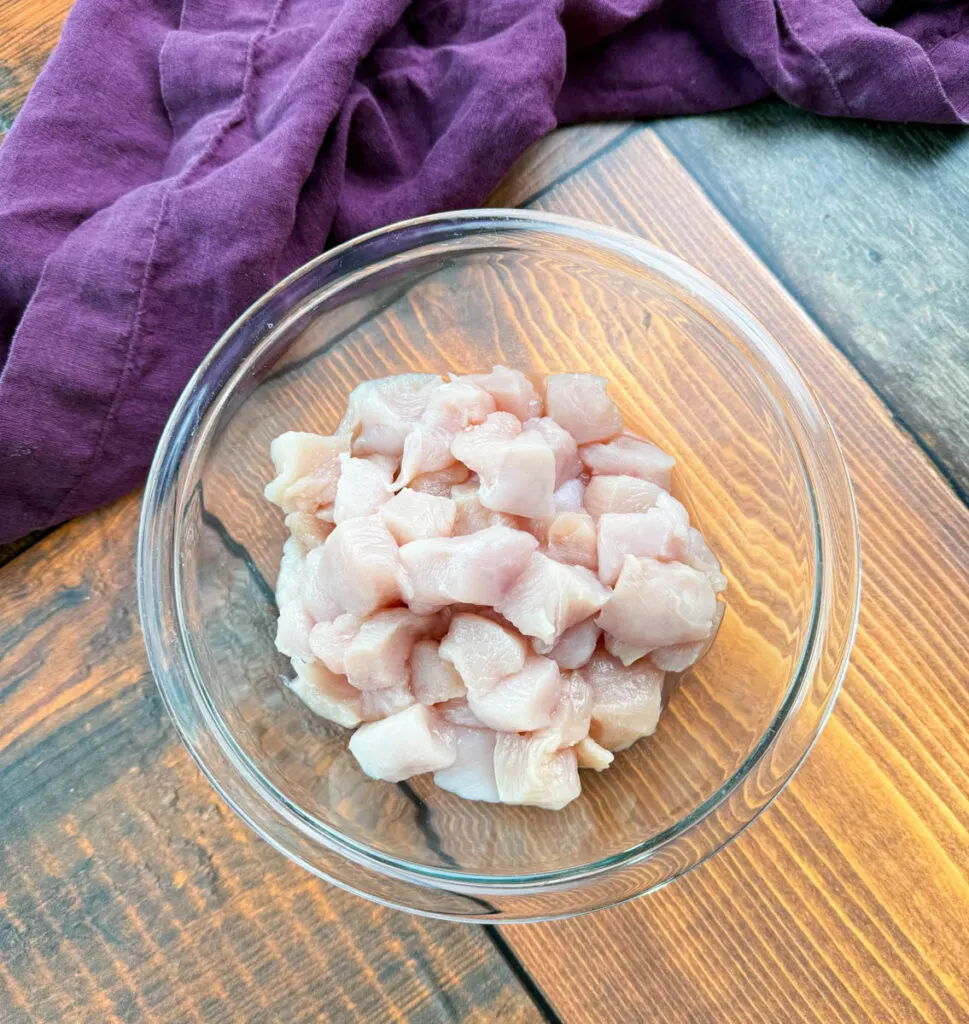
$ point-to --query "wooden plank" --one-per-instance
(28, 33)
(848, 899)
(865, 224)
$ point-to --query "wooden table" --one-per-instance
(130, 893)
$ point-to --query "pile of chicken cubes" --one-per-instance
(488, 579)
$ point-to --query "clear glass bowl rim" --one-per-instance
(157, 551)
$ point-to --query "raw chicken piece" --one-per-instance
(457, 712)
(512, 391)
(329, 641)
(626, 702)
(293, 631)
(440, 483)
(568, 465)
(572, 715)
(568, 497)
(482, 651)
(408, 743)
(516, 470)
(571, 539)
(549, 597)
(289, 582)
(700, 556)
(359, 566)
(478, 569)
(626, 653)
(591, 755)
(619, 494)
(655, 604)
(410, 515)
(578, 402)
(526, 772)
(629, 456)
(679, 657)
(471, 515)
(450, 408)
(328, 695)
(472, 775)
(520, 702)
(307, 469)
(315, 590)
(660, 533)
(378, 656)
(377, 704)
(364, 486)
(433, 679)
(574, 647)
(308, 531)
(381, 413)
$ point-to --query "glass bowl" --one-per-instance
(757, 465)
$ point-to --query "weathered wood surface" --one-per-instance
(866, 225)
(849, 898)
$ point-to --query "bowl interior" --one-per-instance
(542, 302)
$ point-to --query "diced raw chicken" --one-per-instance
(359, 566)
(408, 743)
(381, 413)
(619, 494)
(655, 604)
(520, 702)
(512, 391)
(482, 651)
(326, 694)
(364, 486)
(572, 715)
(329, 641)
(626, 653)
(289, 582)
(679, 657)
(526, 772)
(569, 497)
(315, 590)
(516, 470)
(629, 456)
(574, 647)
(457, 712)
(568, 465)
(410, 515)
(472, 775)
(378, 655)
(579, 403)
(471, 515)
(477, 569)
(660, 533)
(571, 538)
(549, 597)
(440, 483)
(591, 755)
(700, 556)
(307, 469)
(626, 702)
(450, 408)
(307, 530)
(293, 631)
(433, 679)
(377, 704)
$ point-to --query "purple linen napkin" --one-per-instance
(175, 159)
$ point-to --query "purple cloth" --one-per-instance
(176, 158)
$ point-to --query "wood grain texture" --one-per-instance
(29, 29)
(128, 892)
(865, 224)
(848, 899)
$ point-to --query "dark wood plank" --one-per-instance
(29, 29)
(848, 899)
(865, 224)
